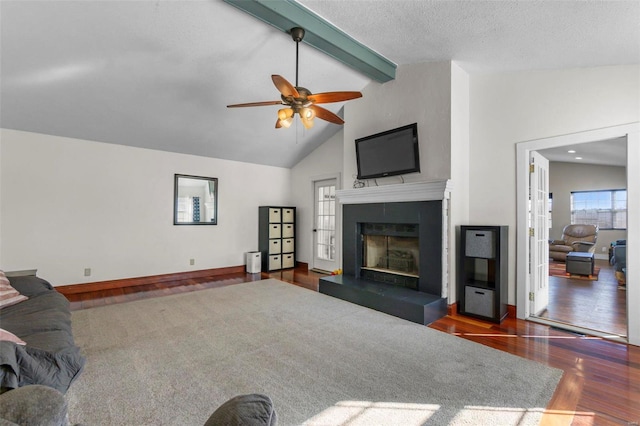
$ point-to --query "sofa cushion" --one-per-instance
(30, 285)
(245, 410)
(9, 295)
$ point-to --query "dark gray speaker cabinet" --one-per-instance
(483, 272)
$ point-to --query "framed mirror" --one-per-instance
(195, 200)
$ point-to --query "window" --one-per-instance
(606, 209)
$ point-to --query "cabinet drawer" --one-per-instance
(287, 245)
(275, 231)
(287, 230)
(479, 301)
(275, 247)
(288, 215)
(274, 215)
(288, 261)
(480, 243)
(275, 262)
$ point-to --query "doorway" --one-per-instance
(526, 275)
(325, 225)
(582, 194)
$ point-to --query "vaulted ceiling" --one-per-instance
(159, 74)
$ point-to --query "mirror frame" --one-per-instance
(176, 191)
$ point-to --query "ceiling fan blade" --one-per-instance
(326, 115)
(328, 97)
(254, 104)
(286, 88)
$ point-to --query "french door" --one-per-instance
(539, 232)
(324, 228)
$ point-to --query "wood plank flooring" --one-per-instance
(598, 305)
(601, 381)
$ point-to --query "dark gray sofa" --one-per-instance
(50, 356)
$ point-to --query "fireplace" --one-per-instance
(391, 253)
(394, 242)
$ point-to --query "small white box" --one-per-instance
(287, 245)
(288, 216)
(275, 262)
(275, 231)
(288, 261)
(274, 215)
(287, 230)
(253, 262)
(275, 247)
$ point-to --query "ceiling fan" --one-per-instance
(299, 100)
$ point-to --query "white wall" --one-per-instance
(71, 204)
(565, 178)
(325, 161)
(514, 107)
(420, 93)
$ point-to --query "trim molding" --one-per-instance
(133, 282)
(397, 193)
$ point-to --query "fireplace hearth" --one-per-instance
(393, 256)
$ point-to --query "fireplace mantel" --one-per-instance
(397, 193)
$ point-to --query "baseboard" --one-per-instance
(511, 311)
(133, 282)
(452, 309)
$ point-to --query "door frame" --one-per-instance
(523, 280)
(312, 181)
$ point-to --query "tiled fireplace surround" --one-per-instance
(423, 203)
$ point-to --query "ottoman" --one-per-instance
(580, 263)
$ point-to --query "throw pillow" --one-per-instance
(245, 410)
(10, 337)
(8, 295)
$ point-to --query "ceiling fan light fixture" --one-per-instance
(286, 123)
(307, 113)
(306, 116)
(285, 113)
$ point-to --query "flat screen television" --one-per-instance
(390, 153)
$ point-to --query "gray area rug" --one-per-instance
(323, 361)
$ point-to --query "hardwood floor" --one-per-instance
(601, 381)
(597, 305)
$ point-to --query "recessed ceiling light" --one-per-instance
(578, 158)
(572, 151)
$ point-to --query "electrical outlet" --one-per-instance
(192, 261)
(87, 272)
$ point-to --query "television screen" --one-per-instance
(394, 152)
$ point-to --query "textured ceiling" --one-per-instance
(159, 74)
(611, 152)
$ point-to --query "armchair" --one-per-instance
(619, 260)
(580, 238)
